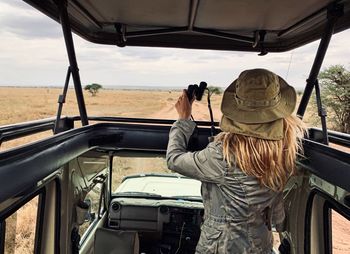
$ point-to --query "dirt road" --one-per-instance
(200, 111)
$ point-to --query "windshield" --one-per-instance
(147, 175)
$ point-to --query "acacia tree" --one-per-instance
(93, 88)
(335, 84)
(215, 90)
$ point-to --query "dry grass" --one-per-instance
(20, 229)
(340, 234)
(27, 104)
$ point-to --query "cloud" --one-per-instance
(140, 53)
(34, 53)
(17, 4)
(22, 20)
(33, 27)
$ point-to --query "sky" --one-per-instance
(33, 53)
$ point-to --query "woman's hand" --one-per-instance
(184, 106)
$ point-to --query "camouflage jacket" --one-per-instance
(238, 210)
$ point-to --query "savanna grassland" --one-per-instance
(26, 104)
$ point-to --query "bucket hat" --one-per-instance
(256, 103)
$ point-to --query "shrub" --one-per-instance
(93, 88)
(335, 84)
(215, 90)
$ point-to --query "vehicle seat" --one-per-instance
(109, 241)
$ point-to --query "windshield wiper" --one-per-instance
(184, 197)
(136, 194)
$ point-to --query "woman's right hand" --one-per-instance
(184, 106)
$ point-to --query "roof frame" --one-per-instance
(190, 28)
(87, 24)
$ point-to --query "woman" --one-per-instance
(245, 169)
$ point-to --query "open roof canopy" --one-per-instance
(237, 25)
(242, 25)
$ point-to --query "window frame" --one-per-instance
(329, 203)
(98, 216)
(2, 237)
(57, 215)
(340, 209)
(41, 194)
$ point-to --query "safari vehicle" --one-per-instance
(73, 176)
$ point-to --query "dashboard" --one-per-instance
(164, 226)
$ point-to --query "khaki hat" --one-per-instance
(255, 104)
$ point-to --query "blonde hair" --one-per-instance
(271, 162)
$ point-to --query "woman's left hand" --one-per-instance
(184, 106)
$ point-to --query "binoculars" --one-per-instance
(195, 91)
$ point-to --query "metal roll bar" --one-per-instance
(73, 65)
(333, 13)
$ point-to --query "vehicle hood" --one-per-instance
(164, 185)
